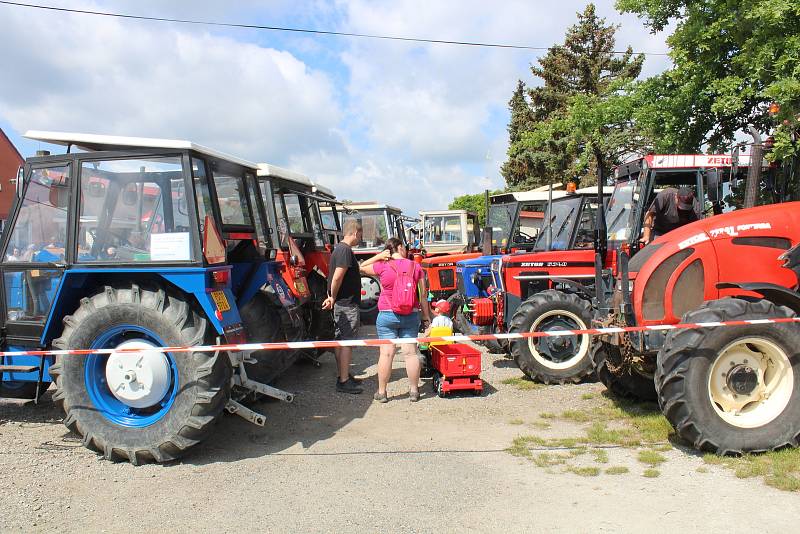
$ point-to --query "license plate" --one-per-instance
(221, 301)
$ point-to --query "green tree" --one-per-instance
(476, 203)
(517, 168)
(582, 74)
(731, 59)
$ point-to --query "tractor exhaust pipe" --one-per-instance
(754, 171)
(486, 244)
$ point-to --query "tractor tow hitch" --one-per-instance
(240, 379)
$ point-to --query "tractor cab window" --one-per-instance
(584, 236)
(559, 222)
(232, 198)
(620, 207)
(40, 230)
(529, 222)
(374, 225)
(298, 224)
(499, 219)
(329, 218)
(133, 210)
(442, 229)
(201, 191)
(261, 232)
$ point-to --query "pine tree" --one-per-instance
(584, 66)
(515, 170)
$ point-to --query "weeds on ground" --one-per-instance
(584, 471)
(540, 424)
(651, 458)
(617, 470)
(651, 473)
(588, 396)
(779, 469)
(600, 456)
(547, 415)
(522, 383)
(516, 421)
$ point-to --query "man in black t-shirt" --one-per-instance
(344, 297)
(671, 209)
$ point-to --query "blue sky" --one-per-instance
(404, 123)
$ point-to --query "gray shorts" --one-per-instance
(347, 318)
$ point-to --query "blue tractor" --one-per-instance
(139, 243)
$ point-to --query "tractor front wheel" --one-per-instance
(553, 359)
(145, 406)
(733, 390)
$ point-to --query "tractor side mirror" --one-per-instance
(712, 185)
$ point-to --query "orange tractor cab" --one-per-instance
(307, 221)
(379, 222)
(448, 236)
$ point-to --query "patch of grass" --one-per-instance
(779, 469)
(520, 445)
(547, 415)
(617, 470)
(516, 422)
(702, 469)
(588, 396)
(540, 424)
(580, 416)
(584, 471)
(579, 451)
(600, 456)
(664, 447)
(567, 443)
(522, 383)
(644, 419)
(599, 433)
(547, 459)
(651, 473)
(651, 458)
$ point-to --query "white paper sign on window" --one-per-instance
(170, 247)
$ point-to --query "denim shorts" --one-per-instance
(391, 325)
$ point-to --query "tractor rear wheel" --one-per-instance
(622, 382)
(370, 291)
(146, 406)
(558, 359)
(733, 390)
(263, 324)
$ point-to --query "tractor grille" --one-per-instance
(447, 278)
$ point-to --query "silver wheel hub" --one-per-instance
(370, 291)
(139, 379)
(578, 345)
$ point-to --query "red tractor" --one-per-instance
(306, 219)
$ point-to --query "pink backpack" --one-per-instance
(404, 291)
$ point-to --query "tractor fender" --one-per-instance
(774, 293)
(577, 287)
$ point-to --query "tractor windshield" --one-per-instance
(134, 210)
(375, 229)
(443, 230)
(559, 223)
(620, 206)
(500, 219)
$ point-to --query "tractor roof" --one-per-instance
(681, 162)
(371, 205)
(96, 142)
(432, 213)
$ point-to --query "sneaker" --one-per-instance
(414, 396)
(381, 397)
(351, 377)
(349, 386)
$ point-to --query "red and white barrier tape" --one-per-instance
(294, 345)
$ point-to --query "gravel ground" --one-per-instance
(332, 462)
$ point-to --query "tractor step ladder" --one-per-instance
(27, 369)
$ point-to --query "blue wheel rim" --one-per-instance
(95, 377)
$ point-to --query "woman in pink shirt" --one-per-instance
(391, 324)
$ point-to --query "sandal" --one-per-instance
(381, 397)
(414, 396)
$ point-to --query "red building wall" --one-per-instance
(10, 161)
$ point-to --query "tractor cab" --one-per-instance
(515, 219)
(307, 221)
(379, 222)
(134, 243)
(449, 232)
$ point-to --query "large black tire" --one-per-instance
(553, 360)
(689, 363)
(322, 326)
(262, 322)
(202, 389)
(626, 384)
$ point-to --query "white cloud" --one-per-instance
(107, 76)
